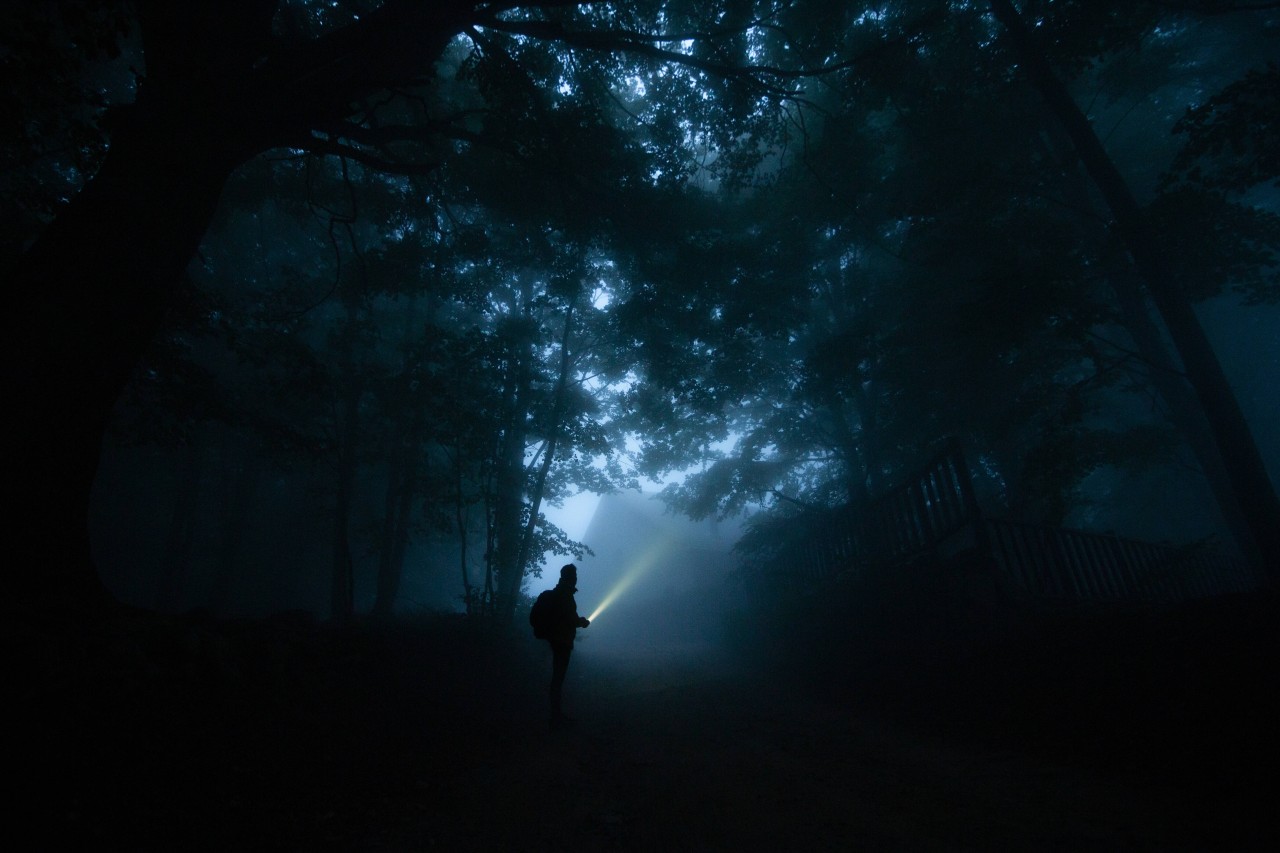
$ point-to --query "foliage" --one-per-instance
(782, 248)
(59, 74)
(1233, 138)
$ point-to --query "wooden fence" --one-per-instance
(934, 514)
(1050, 563)
(933, 504)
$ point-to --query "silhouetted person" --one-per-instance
(562, 628)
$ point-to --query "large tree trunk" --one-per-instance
(509, 503)
(1231, 433)
(179, 543)
(86, 300)
(88, 297)
(1187, 416)
(510, 485)
(1184, 411)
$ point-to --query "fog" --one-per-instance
(900, 378)
(656, 582)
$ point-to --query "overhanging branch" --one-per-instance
(647, 45)
(335, 148)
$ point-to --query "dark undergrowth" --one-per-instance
(138, 731)
(132, 730)
(1185, 695)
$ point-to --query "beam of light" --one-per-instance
(642, 564)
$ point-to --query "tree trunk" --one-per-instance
(1231, 433)
(400, 544)
(1166, 377)
(510, 485)
(342, 575)
(395, 532)
(509, 503)
(240, 476)
(460, 519)
(552, 440)
(88, 297)
(490, 591)
(1187, 416)
(86, 300)
(180, 540)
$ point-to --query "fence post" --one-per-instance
(964, 478)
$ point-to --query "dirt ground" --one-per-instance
(683, 751)
(191, 735)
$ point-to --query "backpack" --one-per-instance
(540, 614)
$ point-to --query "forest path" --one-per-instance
(682, 751)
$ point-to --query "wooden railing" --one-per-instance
(1050, 563)
(932, 504)
(935, 513)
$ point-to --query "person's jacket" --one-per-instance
(563, 624)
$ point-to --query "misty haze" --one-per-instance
(673, 425)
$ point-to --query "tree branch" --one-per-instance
(646, 44)
(332, 147)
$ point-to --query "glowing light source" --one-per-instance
(642, 564)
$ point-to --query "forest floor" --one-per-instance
(144, 732)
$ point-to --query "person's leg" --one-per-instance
(559, 666)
